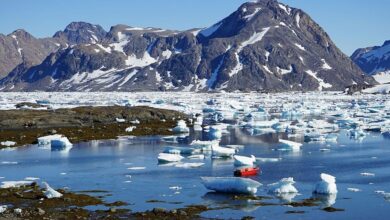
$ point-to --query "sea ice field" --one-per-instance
(299, 141)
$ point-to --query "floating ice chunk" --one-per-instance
(176, 188)
(181, 150)
(244, 161)
(189, 165)
(284, 186)
(31, 178)
(231, 184)
(215, 132)
(327, 185)
(46, 140)
(3, 208)
(50, 193)
(204, 145)
(8, 143)
(166, 158)
(61, 143)
(367, 174)
(196, 157)
(18, 211)
(9, 162)
(235, 146)
(218, 151)
(290, 145)
(264, 160)
(136, 168)
(181, 127)
(353, 189)
(120, 120)
(130, 129)
(13, 184)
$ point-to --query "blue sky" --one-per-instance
(350, 23)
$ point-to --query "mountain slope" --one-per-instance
(374, 61)
(20, 47)
(263, 46)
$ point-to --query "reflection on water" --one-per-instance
(326, 200)
(114, 165)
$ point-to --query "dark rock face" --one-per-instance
(20, 47)
(373, 60)
(81, 33)
(263, 46)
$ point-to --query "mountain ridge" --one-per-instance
(262, 46)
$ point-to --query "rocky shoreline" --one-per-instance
(24, 126)
(29, 202)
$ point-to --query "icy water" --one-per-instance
(117, 166)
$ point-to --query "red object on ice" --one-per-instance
(249, 171)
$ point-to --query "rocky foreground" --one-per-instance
(24, 126)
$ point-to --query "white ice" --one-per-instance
(231, 184)
(327, 185)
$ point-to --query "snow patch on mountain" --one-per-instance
(320, 81)
(250, 16)
(382, 77)
(325, 65)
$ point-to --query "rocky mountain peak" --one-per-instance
(81, 33)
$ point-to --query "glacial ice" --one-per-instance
(49, 192)
(231, 184)
(284, 186)
(181, 127)
(327, 185)
(8, 143)
(244, 161)
(12, 184)
(166, 158)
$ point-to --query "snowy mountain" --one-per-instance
(374, 61)
(263, 46)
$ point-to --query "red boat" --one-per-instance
(248, 171)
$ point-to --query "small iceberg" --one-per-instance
(181, 127)
(196, 157)
(218, 151)
(8, 143)
(231, 184)
(13, 184)
(204, 145)
(189, 165)
(244, 161)
(294, 146)
(284, 186)
(326, 186)
(46, 140)
(50, 193)
(265, 160)
(181, 150)
(60, 144)
(168, 158)
(3, 208)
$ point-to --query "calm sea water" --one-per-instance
(104, 165)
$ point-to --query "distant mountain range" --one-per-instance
(375, 61)
(263, 46)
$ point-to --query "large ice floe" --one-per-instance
(326, 186)
(231, 184)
